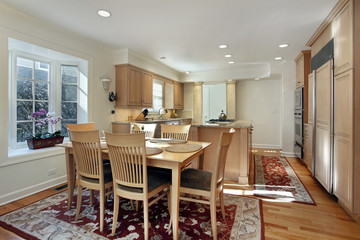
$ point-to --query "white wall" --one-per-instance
(27, 174)
(260, 101)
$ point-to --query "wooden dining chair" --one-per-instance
(180, 132)
(131, 177)
(208, 184)
(148, 129)
(91, 172)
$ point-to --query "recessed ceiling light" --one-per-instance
(104, 13)
(278, 58)
(223, 46)
(284, 45)
(162, 58)
(231, 62)
(228, 55)
(187, 72)
(257, 79)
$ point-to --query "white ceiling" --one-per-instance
(188, 32)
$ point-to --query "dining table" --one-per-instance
(168, 159)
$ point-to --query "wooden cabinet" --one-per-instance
(308, 145)
(343, 39)
(343, 140)
(302, 73)
(310, 99)
(169, 95)
(178, 95)
(133, 86)
(323, 126)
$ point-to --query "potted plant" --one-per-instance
(44, 139)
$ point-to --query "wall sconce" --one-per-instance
(105, 82)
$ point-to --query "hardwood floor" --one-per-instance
(282, 220)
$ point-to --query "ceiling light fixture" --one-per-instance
(162, 58)
(278, 58)
(104, 13)
(231, 62)
(284, 45)
(187, 72)
(223, 46)
(228, 55)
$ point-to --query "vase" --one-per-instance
(44, 143)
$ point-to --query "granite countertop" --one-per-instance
(152, 121)
(236, 124)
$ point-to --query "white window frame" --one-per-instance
(55, 89)
(156, 110)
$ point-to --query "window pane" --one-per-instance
(69, 93)
(69, 74)
(42, 71)
(24, 68)
(41, 91)
(24, 109)
(23, 131)
(63, 126)
(69, 111)
(24, 89)
(39, 105)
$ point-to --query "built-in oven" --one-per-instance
(299, 127)
(299, 98)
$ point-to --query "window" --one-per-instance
(36, 83)
(158, 93)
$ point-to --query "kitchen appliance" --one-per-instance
(299, 127)
(222, 116)
(299, 122)
(299, 98)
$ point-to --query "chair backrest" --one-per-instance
(222, 150)
(180, 132)
(87, 150)
(128, 159)
(80, 127)
(148, 129)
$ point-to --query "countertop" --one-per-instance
(152, 121)
(236, 124)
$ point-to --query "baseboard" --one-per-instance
(266, 146)
(16, 195)
(288, 154)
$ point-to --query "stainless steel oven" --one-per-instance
(299, 98)
(299, 127)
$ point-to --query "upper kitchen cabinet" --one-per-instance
(343, 39)
(302, 73)
(133, 86)
(178, 95)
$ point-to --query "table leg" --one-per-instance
(201, 162)
(175, 195)
(70, 172)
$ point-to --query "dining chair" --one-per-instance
(131, 177)
(180, 132)
(148, 129)
(208, 184)
(92, 173)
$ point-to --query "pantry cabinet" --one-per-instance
(133, 86)
(302, 72)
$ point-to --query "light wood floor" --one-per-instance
(282, 220)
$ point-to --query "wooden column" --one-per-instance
(197, 105)
(231, 99)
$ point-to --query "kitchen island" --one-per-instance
(239, 154)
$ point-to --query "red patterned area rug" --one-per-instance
(49, 219)
(275, 178)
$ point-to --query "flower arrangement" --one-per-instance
(41, 118)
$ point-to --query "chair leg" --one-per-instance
(137, 205)
(91, 197)
(78, 204)
(116, 213)
(102, 208)
(169, 206)
(146, 219)
(132, 204)
(221, 195)
(213, 216)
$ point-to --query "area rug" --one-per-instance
(275, 178)
(49, 219)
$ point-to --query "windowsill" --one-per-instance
(21, 155)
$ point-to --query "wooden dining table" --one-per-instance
(166, 159)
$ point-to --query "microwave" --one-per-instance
(299, 98)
